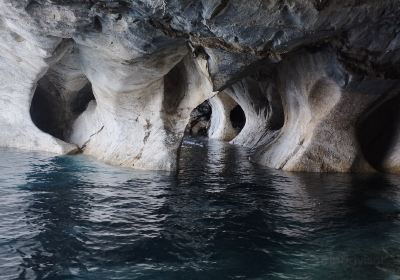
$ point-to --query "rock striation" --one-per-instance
(317, 80)
(221, 127)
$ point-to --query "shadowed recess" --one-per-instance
(377, 133)
(238, 118)
(53, 113)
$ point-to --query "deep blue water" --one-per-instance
(220, 217)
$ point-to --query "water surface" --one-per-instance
(220, 217)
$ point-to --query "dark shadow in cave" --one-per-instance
(238, 118)
(97, 25)
(80, 102)
(199, 120)
(54, 113)
(45, 109)
(377, 132)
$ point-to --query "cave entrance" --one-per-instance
(238, 118)
(199, 120)
(54, 111)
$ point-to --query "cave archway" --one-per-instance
(219, 117)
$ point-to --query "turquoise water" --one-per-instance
(219, 217)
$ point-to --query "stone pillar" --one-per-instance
(221, 126)
(262, 106)
(142, 106)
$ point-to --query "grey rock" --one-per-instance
(311, 76)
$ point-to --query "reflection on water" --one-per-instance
(219, 217)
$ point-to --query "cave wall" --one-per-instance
(322, 103)
(118, 80)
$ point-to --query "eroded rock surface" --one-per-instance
(322, 104)
(24, 59)
(221, 126)
(119, 79)
(262, 106)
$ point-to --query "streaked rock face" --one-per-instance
(117, 80)
(322, 104)
(221, 127)
(262, 106)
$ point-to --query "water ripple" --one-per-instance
(219, 217)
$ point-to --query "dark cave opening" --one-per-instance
(377, 132)
(54, 113)
(45, 109)
(97, 25)
(238, 118)
(199, 120)
(81, 100)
